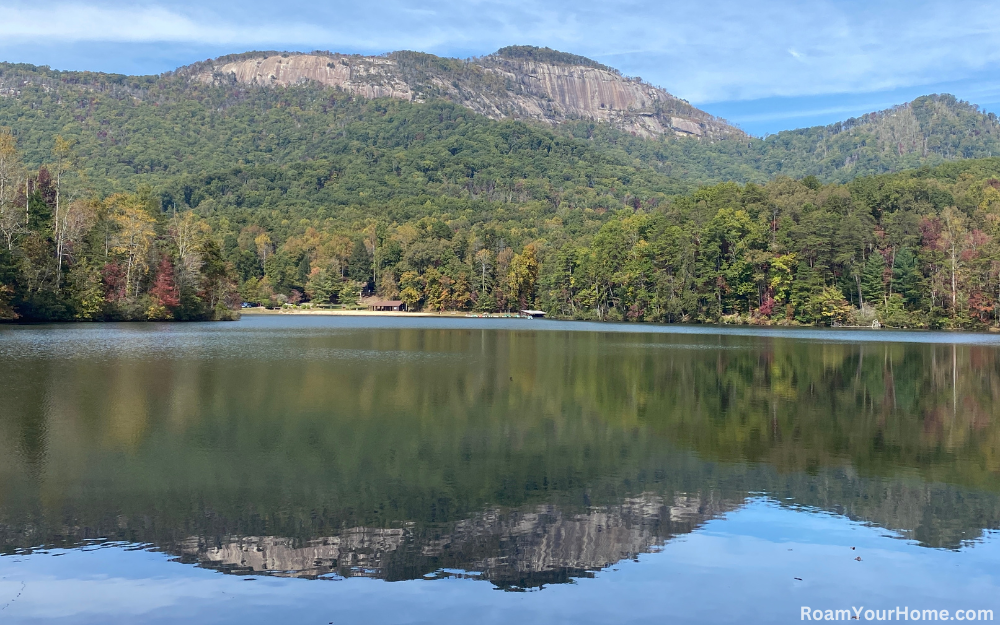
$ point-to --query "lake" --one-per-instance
(310, 469)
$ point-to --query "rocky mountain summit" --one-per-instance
(511, 548)
(208, 116)
(517, 82)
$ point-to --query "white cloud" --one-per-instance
(714, 50)
(79, 22)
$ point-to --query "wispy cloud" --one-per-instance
(79, 22)
(714, 50)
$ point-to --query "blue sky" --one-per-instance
(767, 65)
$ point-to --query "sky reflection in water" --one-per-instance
(738, 569)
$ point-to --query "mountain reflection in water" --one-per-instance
(521, 453)
(511, 549)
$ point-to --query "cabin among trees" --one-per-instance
(391, 305)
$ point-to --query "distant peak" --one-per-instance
(549, 56)
(517, 82)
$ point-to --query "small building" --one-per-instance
(390, 305)
(537, 314)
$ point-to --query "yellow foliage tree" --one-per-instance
(133, 237)
(12, 219)
(522, 275)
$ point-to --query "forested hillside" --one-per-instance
(928, 131)
(916, 249)
(195, 191)
(126, 125)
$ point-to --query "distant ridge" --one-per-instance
(928, 130)
(114, 116)
(516, 82)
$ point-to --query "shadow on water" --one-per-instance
(325, 447)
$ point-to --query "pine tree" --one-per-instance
(807, 294)
(906, 278)
(320, 287)
(872, 280)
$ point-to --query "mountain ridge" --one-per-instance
(639, 124)
(516, 82)
(295, 188)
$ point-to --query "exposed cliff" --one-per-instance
(515, 82)
(178, 123)
(514, 548)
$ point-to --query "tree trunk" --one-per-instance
(953, 279)
(892, 271)
(58, 232)
(128, 275)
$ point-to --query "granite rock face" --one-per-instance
(552, 88)
(369, 77)
(511, 548)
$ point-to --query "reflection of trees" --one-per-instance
(300, 436)
(881, 408)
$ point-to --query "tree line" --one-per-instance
(916, 249)
(68, 254)
(447, 210)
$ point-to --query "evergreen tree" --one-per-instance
(807, 294)
(359, 265)
(873, 279)
(320, 287)
(907, 279)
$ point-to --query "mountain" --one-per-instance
(540, 84)
(928, 131)
(517, 82)
(529, 204)
(277, 108)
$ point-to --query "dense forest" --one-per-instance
(155, 198)
(173, 123)
(70, 256)
(925, 132)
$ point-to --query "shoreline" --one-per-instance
(378, 313)
(344, 313)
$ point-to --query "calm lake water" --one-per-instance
(408, 470)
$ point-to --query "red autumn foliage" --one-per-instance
(165, 289)
(981, 305)
(930, 233)
(767, 306)
(46, 186)
(115, 289)
(976, 240)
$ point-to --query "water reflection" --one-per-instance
(512, 549)
(400, 449)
